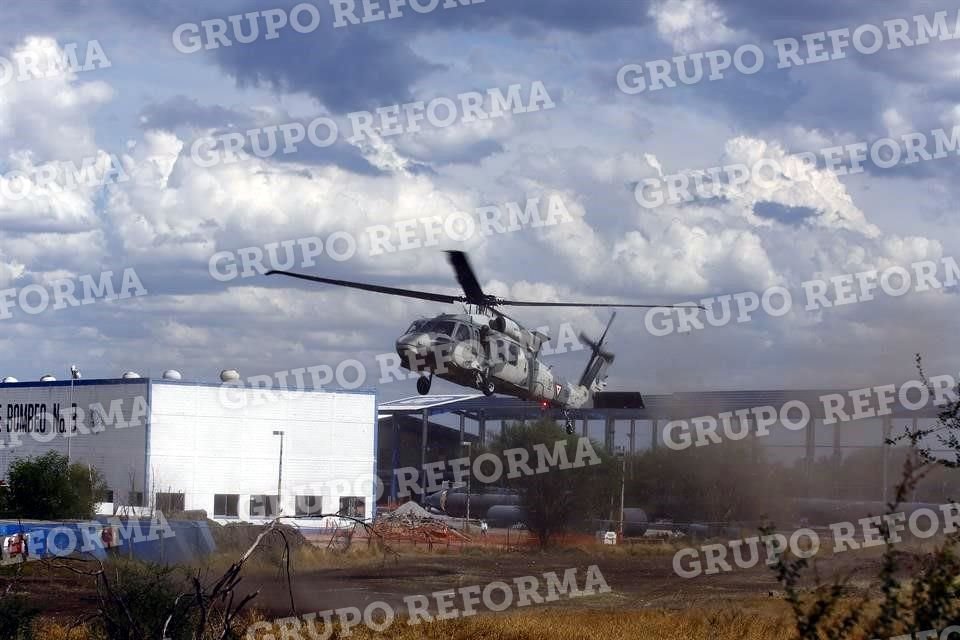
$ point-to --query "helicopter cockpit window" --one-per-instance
(514, 354)
(445, 327)
(463, 333)
(417, 326)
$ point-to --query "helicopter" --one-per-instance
(488, 350)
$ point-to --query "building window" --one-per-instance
(171, 502)
(309, 505)
(226, 505)
(105, 496)
(263, 506)
(135, 498)
(353, 507)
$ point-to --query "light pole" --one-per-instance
(623, 481)
(279, 472)
(467, 444)
(74, 375)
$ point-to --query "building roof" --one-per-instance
(186, 383)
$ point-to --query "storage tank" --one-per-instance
(506, 515)
(454, 502)
(635, 522)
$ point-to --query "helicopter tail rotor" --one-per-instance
(594, 377)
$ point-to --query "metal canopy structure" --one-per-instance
(674, 406)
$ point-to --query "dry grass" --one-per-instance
(304, 559)
(555, 624)
(46, 629)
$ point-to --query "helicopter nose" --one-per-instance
(413, 346)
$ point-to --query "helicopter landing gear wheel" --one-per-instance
(485, 385)
(570, 425)
(423, 384)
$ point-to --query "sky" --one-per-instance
(140, 97)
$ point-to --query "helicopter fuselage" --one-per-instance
(493, 354)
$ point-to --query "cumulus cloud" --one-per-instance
(692, 25)
(172, 215)
(46, 112)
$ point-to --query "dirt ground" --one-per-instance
(636, 582)
(644, 579)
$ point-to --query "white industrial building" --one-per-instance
(173, 445)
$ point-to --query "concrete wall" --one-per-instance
(207, 440)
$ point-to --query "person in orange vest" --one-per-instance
(106, 536)
(18, 546)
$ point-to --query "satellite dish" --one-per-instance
(9, 379)
(48, 378)
(130, 375)
(229, 375)
(172, 374)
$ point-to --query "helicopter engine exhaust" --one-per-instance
(507, 327)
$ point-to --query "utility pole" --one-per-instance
(279, 472)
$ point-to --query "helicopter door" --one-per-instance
(509, 363)
(466, 353)
(518, 360)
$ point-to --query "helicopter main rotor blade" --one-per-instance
(393, 291)
(467, 278)
(613, 316)
(599, 305)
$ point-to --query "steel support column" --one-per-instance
(811, 448)
(887, 428)
(423, 447)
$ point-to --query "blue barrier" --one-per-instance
(151, 540)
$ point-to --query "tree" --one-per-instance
(49, 488)
(723, 482)
(574, 481)
(914, 600)
(4, 497)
